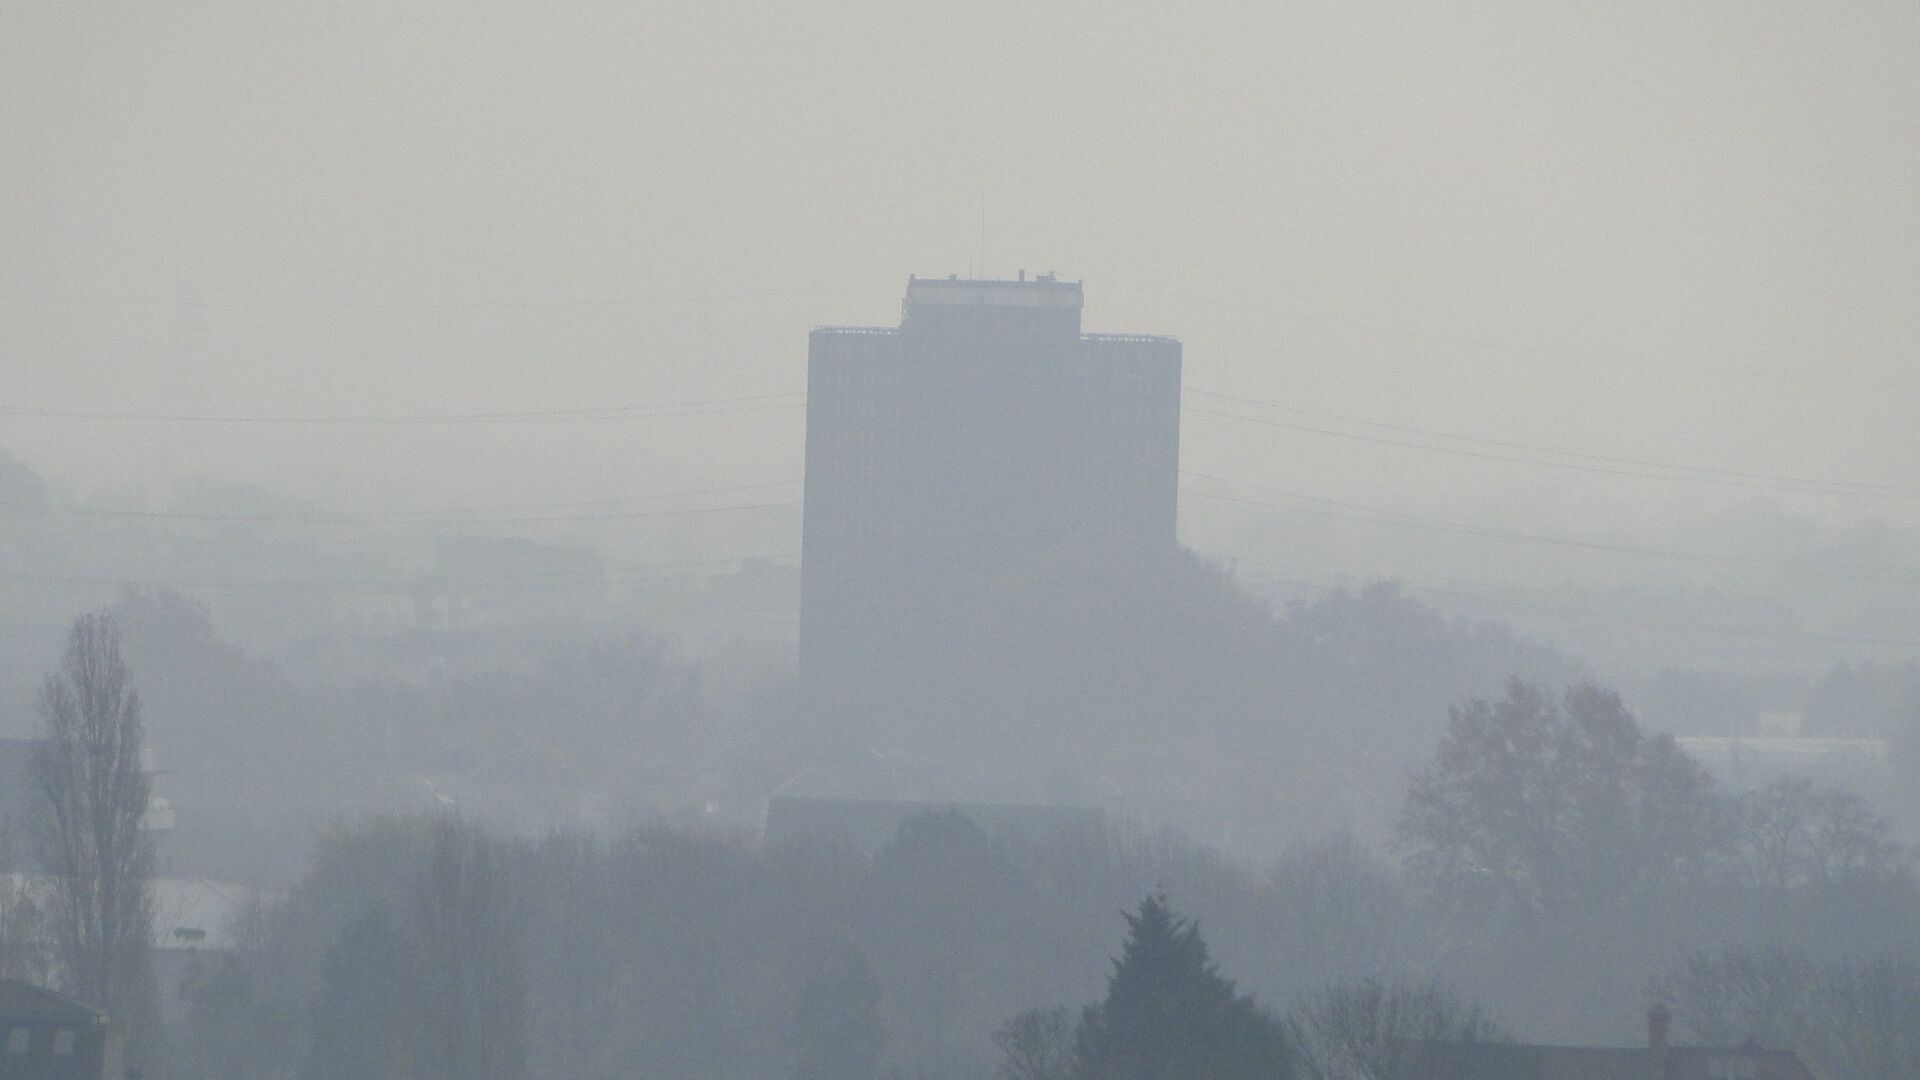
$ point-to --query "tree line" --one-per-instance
(1553, 864)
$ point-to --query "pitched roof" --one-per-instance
(1514, 1061)
(21, 1001)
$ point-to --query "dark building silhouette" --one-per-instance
(1658, 1060)
(984, 446)
(868, 825)
(51, 1036)
(1506, 1061)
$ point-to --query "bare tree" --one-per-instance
(24, 952)
(1535, 806)
(1793, 833)
(1846, 1018)
(472, 960)
(1367, 1030)
(1036, 1045)
(93, 796)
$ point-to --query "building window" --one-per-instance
(19, 1039)
(63, 1042)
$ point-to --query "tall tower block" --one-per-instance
(955, 460)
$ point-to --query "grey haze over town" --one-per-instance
(1033, 541)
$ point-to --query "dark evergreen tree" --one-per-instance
(1170, 1015)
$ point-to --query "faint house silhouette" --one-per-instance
(195, 921)
(49, 1036)
(867, 825)
(1656, 1061)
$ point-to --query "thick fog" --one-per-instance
(737, 540)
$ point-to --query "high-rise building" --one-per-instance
(959, 460)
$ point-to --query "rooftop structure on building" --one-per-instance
(1657, 1060)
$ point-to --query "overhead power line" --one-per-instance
(1375, 515)
(629, 515)
(1471, 599)
(1699, 476)
(1850, 487)
(1583, 461)
(695, 407)
(466, 304)
(498, 515)
(1479, 448)
(511, 303)
(424, 581)
(1593, 362)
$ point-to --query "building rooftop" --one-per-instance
(868, 825)
(1511, 1061)
(24, 1002)
(1044, 291)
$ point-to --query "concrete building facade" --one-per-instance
(958, 458)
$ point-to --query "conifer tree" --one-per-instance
(1170, 1015)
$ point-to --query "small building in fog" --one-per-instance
(50, 1036)
(1658, 1060)
(1753, 761)
(868, 825)
(1519, 1061)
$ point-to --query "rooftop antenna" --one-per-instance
(983, 228)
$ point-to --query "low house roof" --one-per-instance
(1517, 1061)
(26, 1003)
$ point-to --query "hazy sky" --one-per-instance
(1677, 233)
